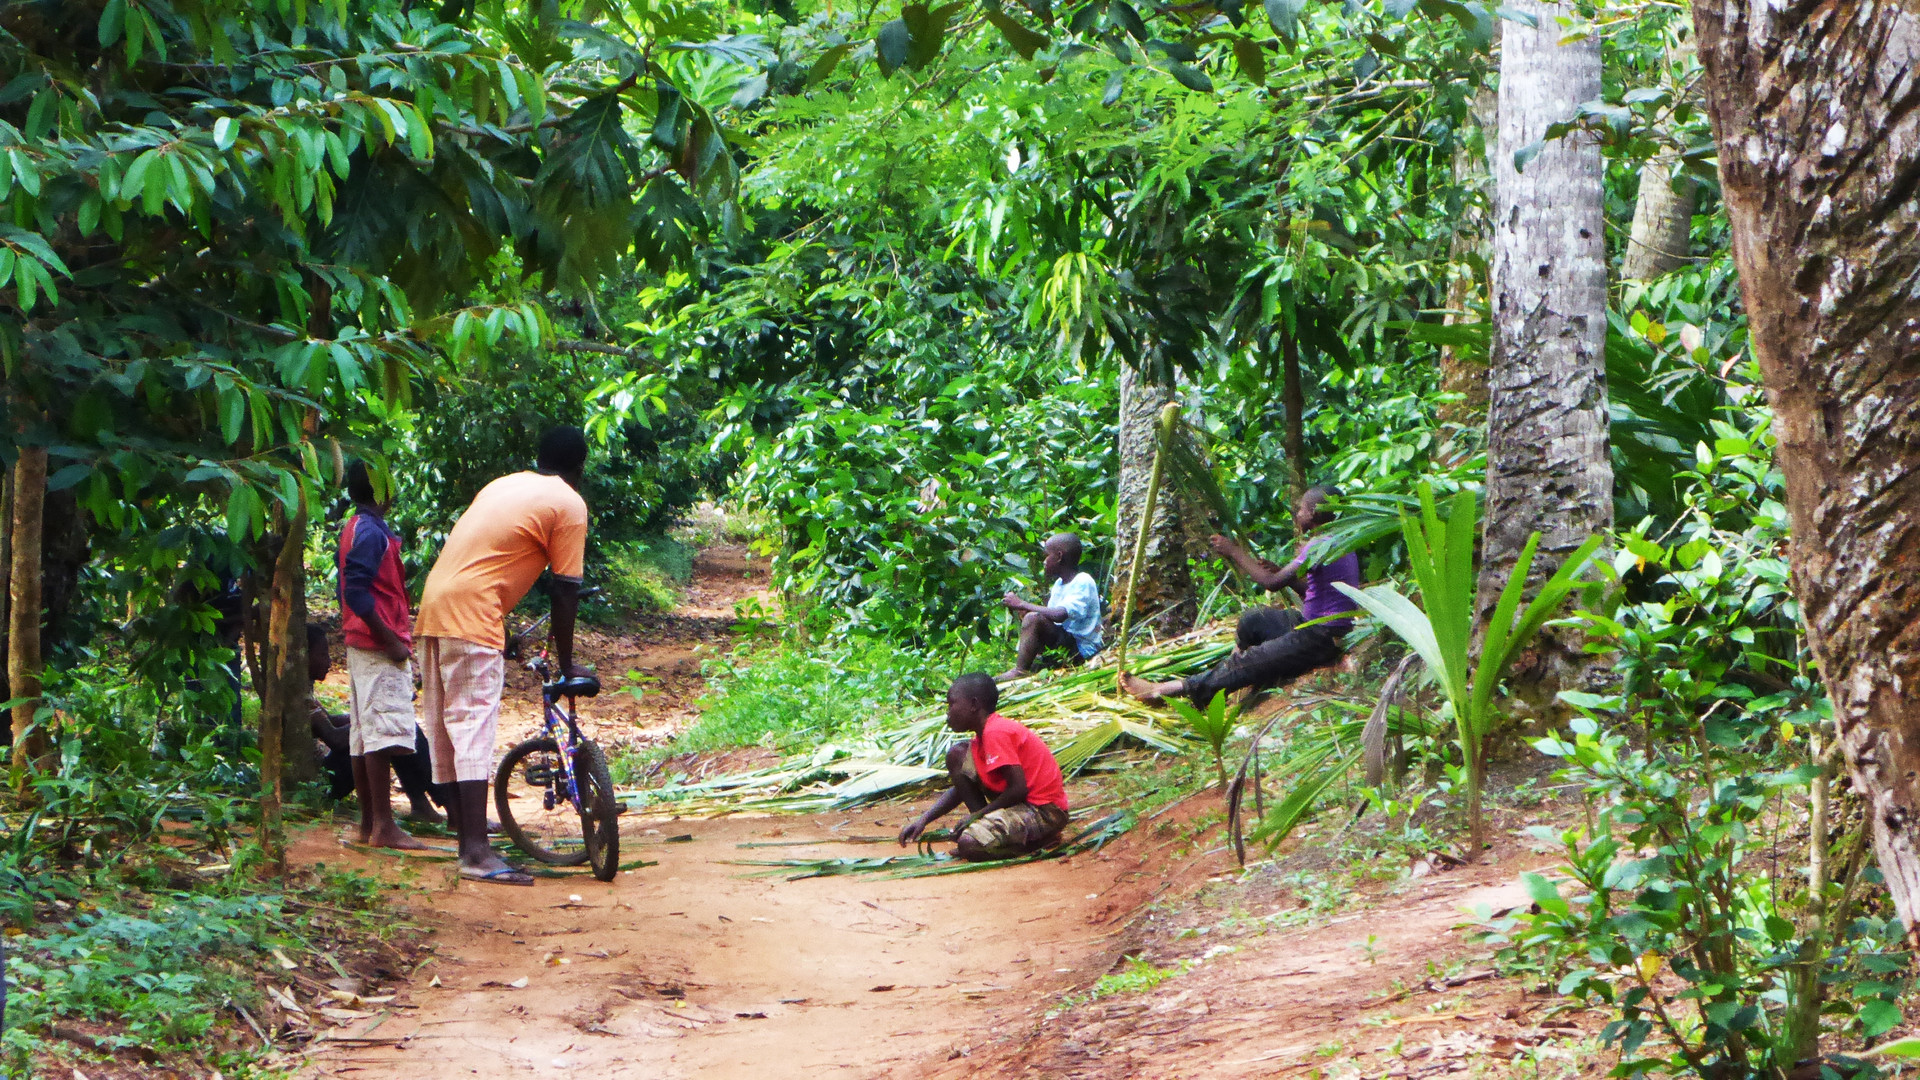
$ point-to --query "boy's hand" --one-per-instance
(1013, 602)
(911, 831)
(397, 652)
(1222, 546)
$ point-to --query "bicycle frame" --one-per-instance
(560, 725)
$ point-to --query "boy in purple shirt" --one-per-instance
(1274, 646)
(377, 622)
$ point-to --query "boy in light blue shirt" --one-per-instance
(1071, 620)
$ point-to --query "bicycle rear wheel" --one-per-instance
(599, 810)
(530, 795)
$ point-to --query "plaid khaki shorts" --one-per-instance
(1014, 830)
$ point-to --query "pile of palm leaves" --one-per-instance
(1078, 713)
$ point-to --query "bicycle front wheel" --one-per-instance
(599, 810)
(530, 795)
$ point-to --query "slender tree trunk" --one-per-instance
(24, 611)
(278, 700)
(1165, 598)
(1293, 398)
(1547, 453)
(1816, 110)
(6, 594)
(1662, 231)
(1662, 221)
(1463, 375)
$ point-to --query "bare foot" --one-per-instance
(427, 816)
(1011, 674)
(1150, 693)
(396, 838)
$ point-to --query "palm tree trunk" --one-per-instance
(1165, 597)
(1662, 231)
(1816, 110)
(1547, 453)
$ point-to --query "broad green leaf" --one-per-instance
(1024, 41)
(1190, 77)
(890, 45)
(1285, 16)
(823, 67)
(1116, 83)
(1129, 19)
(1253, 62)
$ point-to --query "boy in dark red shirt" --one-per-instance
(1016, 799)
(377, 622)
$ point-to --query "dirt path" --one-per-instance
(691, 968)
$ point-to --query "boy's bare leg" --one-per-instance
(363, 796)
(1152, 693)
(467, 812)
(376, 812)
(969, 788)
(1036, 633)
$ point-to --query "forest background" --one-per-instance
(908, 286)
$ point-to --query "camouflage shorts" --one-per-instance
(1014, 830)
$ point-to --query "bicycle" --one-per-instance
(568, 813)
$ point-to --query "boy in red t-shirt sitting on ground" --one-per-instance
(1016, 799)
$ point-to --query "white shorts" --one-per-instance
(460, 686)
(379, 703)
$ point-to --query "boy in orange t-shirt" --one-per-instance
(516, 527)
(1016, 798)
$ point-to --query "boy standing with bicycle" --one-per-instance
(516, 527)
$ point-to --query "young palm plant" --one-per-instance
(1213, 724)
(1441, 551)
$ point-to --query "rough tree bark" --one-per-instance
(1165, 600)
(281, 697)
(1662, 229)
(1547, 454)
(1662, 222)
(1463, 376)
(1816, 112)
(24, 610)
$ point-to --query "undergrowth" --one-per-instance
(641, 577)
(785, 694)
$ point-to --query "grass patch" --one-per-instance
(1137, 976)
(642, 576)
(784, 695)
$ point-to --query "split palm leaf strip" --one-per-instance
(1075, 711)
(1092, 838)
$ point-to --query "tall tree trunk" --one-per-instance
(1165, 599)
(1547, 453)
(6, 594)
(1816, 110)
(279, 697)
(24, 611)
(1662, 221)
(1463, 375)
(1293, 398)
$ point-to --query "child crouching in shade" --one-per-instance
(1011, 785)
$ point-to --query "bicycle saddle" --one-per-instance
(578, 686)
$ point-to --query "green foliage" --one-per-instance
(1441, 554)
(1213, 726)
(1670, 880)
(644, 575)
(786, 695)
